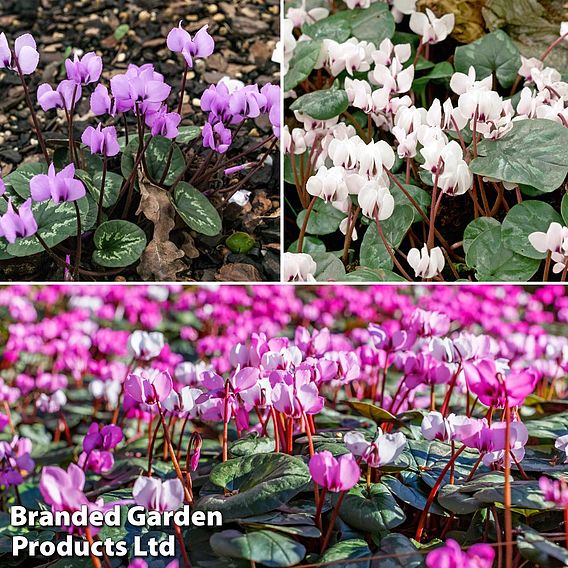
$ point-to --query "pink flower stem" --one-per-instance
(182, 546)
(433, 493)
(556, 42)
(332, 520)
(65, 428)
(391, 253)
(79, 241)
(151, 442)
(184, 424)
(96, 562)
(276, 433)
(434, 206)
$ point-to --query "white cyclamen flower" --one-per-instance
(425, 263)
(376, 199)
(298, 267)
(433, 30)
(549, 241)
(328, 184)
(145, 345)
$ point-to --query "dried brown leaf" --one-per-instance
(238, 272)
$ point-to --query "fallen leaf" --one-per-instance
(161, 260)
(238, 272)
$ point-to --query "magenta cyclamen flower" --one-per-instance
(61, 97)
(180, 41)
(105, 438)
(149, 388)
(15, 461)
(335, 475)
(101, 140)
(25, 49)
(60, 186)
(554, 490)
(158, 495)
(21, 224)
(451, 556)
(163, 123)
(216, 137)
(84, 70)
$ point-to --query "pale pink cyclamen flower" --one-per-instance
(149, 387)
(158, 495)
(555, 491)
(101, 140)
(435, 427)
(25, 50)
(59, 187)
(551, 240)
(201, 45)
(335, 474)
(384, 449)
(561, 445)
(451, 556)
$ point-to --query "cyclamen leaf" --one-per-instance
(196, 210)
(532, 153)
(522, 220)
(118, 244)
(302, 62)
(493, 53)
(20, 179)
(329, 267)
(564, 209)
(476, 228)
(322, 105)
(324, 219)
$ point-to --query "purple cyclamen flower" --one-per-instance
(25, 49)
(60, 186)
(149, 387)
(247, 102)
(61, 97)
(215, 100)
(139, 87)
(2, 187)
(180, 41)
(158, 495)
(84, 70)
(105, 438)
(21, 224)
(101, 103)
(216, 137)
(163, 123)
(101, 140)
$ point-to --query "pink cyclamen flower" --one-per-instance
(15, 461)
(335, 475)
(65, 96)
(384, 449)
(101, 140)
(149, 388)
(25, 49)
(2, 187)
(21, 224)
(554, 490)
(97, 461)
(60, 186)
(158, 495)
(217, 137)
(451, 556)
(163, 123)
(179, 41)
(84, 70)
(101, 102)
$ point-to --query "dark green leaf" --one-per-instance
(118, 244)
(322, 105)
(324, 218)
(329, 267)
(196, 210)
(306, 54)
(476, 228)
(364, 274)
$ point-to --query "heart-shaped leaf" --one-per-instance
(196, 210)
(322, 105)
(118, 244)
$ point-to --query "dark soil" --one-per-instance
(245, 33)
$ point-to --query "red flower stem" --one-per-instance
(474, 468)
(308, 431)
(121, 393)
(182, 546)
(566, 524)
(9, 415)
(507, 491)
(384, 383)
(32, 110)
(65, 428)
(184, 424)
(290, 435)
(305, 224)
(151, 444)
(102, 193)
(320, 507)
(446, 402)
(434, 206)
(79, 241)
(332, 520)
(433, 493)
(452, 468)
(276, 434)
(172, 453)
(96, 562)
(556, 42)
(226, 423)
(391, 253)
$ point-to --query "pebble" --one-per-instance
(212, 8)
(121, 57)
(218, 17)
(196, 103)
(144, 16)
